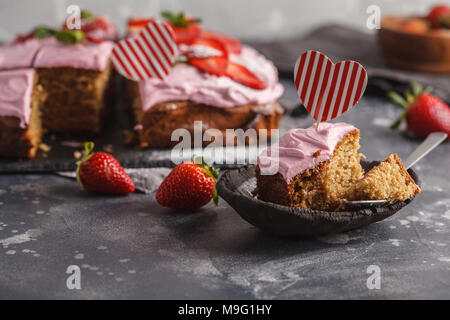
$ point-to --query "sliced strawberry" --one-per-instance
(216, 65)
(135, 25)
(98, 22)
(241, 74)
(186, 35)
(214, 44)
(24, 37)
(93, 39)
(231, 44)
(139, 22)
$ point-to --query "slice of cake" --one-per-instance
(389, 180)
(310, 168)
(20, 124)
(78, 81)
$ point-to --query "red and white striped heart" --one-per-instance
(150, 54)
(328, 90)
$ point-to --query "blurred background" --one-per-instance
(246, 19)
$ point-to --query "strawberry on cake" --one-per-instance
(216, 80)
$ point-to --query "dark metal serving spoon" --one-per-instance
(431, 142)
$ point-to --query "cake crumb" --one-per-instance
(77, 154)
(317, 153)
(129, 137)
(44, 147)
(108, 148)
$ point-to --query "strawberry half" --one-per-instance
(232, 45)
(100, 172)
(424, 112)
(189, 186)
(216, 65)
(241, 74)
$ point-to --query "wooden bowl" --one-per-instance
(424, 52)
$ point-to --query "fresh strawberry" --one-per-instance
(188, 186)
(436, 14)
(424, 112)
(216, 65)
(100, 172)
(241, 74)
(186, 28)
(231, 44)
(415, 26)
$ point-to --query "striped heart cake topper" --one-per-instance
(328, 90)
(150, 54)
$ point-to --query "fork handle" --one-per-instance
(431, 142)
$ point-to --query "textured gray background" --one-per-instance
(130, 247)
(247, 19)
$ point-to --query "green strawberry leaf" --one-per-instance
(86, 14)
(87, 154)
(397, 99)
(70, 36)
(179, 20)
(43, 32)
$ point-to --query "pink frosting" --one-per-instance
(80, 56)
(21, 54)
(297, 147)
(186, 82)
(16, 87)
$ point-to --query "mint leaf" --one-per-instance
(85, 14)
(70, 36)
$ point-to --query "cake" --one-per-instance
(65, 79)
(78, 82)
(310, 168)
(389, 180)
(245, 99)
(20, 101)
(319, 168)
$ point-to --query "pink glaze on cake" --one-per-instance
(81, 56)
(186, 82)
(294, 152)
(21, 54)
(16, 87)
